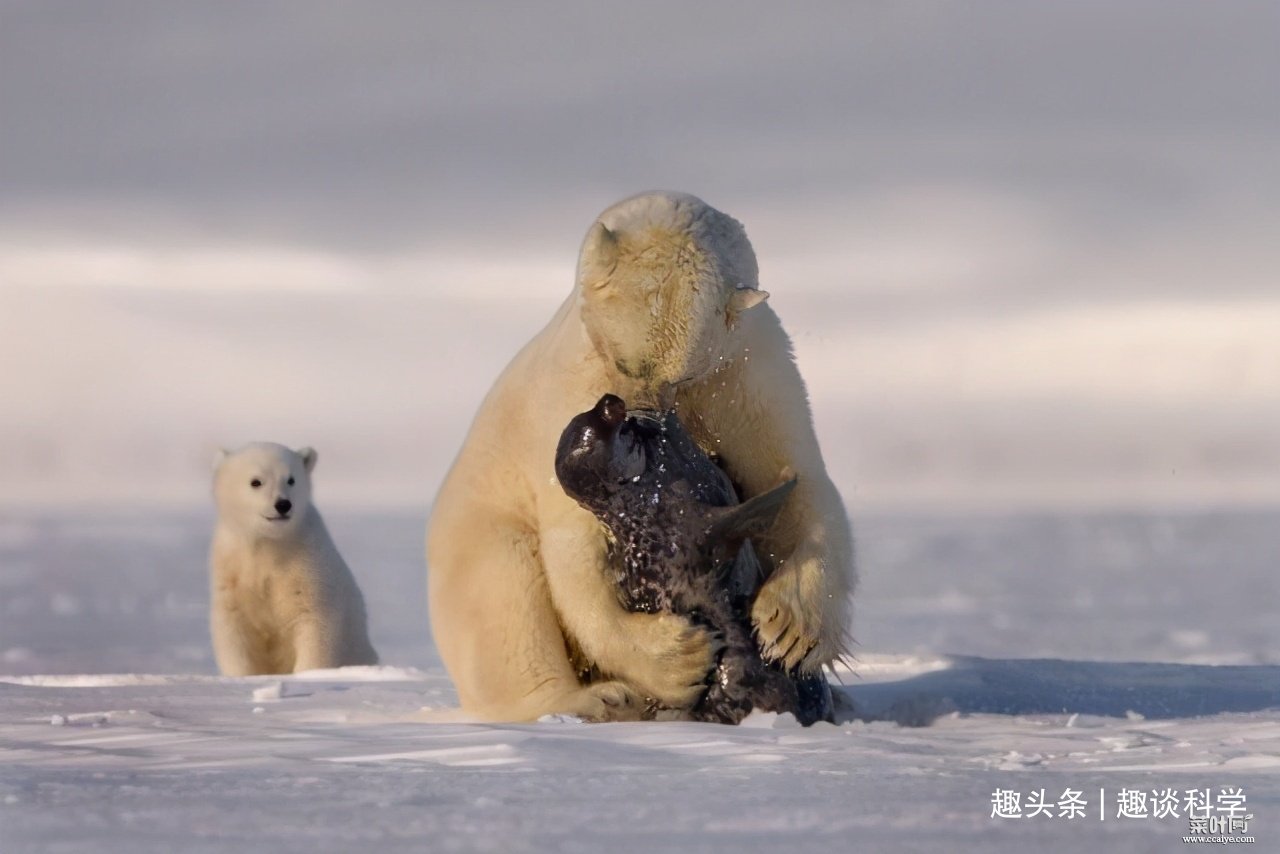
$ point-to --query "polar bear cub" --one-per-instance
(283, 599)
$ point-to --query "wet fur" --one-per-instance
(678, 532)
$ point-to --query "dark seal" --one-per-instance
(682, 544)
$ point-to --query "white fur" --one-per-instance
(283, 600)
(660, 313)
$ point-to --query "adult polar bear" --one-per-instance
(665, 308)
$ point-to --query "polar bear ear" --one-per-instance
(598, 257)
(744, 298)
(309, 457)
(219, 457)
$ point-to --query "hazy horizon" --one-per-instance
(1027, 254)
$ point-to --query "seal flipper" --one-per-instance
(814, 700)
(732, 524)
(745, 574)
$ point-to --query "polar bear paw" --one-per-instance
(608, 701)
(789, 626)
(676, 658)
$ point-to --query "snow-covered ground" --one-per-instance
(995, 653)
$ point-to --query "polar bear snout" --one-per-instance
(283, 506)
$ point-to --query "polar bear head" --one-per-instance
(264, 489)
(663, 278)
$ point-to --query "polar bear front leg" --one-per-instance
(663, 656)
(317, 643)
(233, 649)
(801, 612)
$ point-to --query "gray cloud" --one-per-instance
(388, 124)
(1013, 240)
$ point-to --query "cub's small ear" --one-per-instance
(598, 257)
(744, 298)
(218, 458)
(309, 457)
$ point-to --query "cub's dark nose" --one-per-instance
(611, 409)
(283, 506)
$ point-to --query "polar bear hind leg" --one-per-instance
(500, 637)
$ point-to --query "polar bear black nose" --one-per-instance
(283, 506)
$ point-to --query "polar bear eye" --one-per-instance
(255, 483)
(290, 480)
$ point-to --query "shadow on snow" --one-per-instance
(1053, 686)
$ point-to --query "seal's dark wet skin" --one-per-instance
(682, 538)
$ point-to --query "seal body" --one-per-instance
(681, 542)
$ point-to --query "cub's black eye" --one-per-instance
(290, 481)
(255, 483)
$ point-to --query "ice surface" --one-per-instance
(115, 734)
